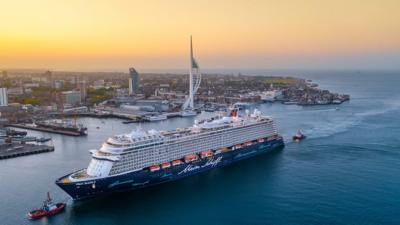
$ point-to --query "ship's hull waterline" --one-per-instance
(144, 178)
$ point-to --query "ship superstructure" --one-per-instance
(143, 158)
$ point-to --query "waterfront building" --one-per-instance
(15, 91)
(3, 97)
(71, 97)
(133, 81)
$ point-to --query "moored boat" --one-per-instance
(188, 113)
(155, 118)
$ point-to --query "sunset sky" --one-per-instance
(113, 35)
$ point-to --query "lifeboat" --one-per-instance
(249, 143)
(154, 168)
(165, 165)
(222, 150)
(49, 209)
(191, 158)
(206, 154)
(177, 162)
(270, 138)
(260, 140)
(238, 146)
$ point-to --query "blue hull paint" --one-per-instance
(144, 178)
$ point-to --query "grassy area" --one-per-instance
(99, 95)
(280, 81)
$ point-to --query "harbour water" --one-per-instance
(345, 172)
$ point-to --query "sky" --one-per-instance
(95, 35)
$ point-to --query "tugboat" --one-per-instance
(298, 136)
(48, 209)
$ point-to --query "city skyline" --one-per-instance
(99, 35)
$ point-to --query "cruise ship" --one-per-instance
(146, 158)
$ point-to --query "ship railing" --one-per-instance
(79, 175)
(182, 138)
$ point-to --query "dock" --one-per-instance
(49, 130)
(16, 150)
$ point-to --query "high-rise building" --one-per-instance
(3, 97)
(83, 89)
(133, 81)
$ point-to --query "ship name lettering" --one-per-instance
(212, 163)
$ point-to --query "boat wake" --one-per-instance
(332, 126)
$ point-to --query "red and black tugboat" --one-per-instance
(49, 209)
(299, 136)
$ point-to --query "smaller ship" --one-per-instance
(210, 109)
(14, 133)
(62, 125)
(188, 113)
(155, 118)
(299, 136)
(48, 209)
(43, 139)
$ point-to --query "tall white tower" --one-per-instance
(194, 80)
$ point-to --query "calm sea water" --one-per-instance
(346, 172)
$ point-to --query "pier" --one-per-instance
(44, 129)
(15, 150)
(116, 115)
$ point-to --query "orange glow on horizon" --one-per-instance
(117, 34)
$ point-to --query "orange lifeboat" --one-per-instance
(205, 154)
(238, 146)
(260, 140)
(191, 158)
(154, 168)
(177, 162)
(225, 150)
(249, 143)
(165, 165)
(222, 150)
